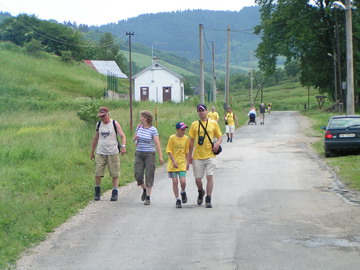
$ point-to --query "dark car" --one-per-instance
(342, 133)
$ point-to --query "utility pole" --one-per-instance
(338, 56)
(130, 82)
(349, 61)
(227, 86)
(251, 79)
(201, 44)
(213, 73)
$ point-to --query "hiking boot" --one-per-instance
(178, 204)
(97, 193)
(147, 201)
(143, 196)
(228, 140)
(114, 195)
(201, 197)
(183, 197)
(208, 202)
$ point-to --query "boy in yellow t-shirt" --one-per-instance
(178, 162)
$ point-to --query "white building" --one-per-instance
(159, 84)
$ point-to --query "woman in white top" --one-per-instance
(147, 139)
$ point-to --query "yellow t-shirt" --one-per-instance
(213, 115)
(204, 151)
(178, 147)
(230, 118)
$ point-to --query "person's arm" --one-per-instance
(123, 138)
(173, 160)
(236, 119)
(217, 144)
(94, 144)
(158, 149)
(191, 148)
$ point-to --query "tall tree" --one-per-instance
(301, 30)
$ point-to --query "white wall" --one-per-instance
(156, 79)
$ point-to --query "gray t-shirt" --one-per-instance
(107, 143)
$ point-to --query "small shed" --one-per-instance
(107, 68)
(159, 84)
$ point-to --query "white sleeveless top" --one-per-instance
(107, 143)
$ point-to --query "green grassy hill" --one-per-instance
(38, 83)
(45, 168)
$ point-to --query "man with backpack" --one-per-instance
(107, 151)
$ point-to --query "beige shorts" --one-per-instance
(230, 129)
(200, 166)
(113, 163)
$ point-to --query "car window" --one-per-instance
(344, 122)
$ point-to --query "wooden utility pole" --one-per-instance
(201, 45)
(227, 86)
(251, 79)
(213, 73)
(350, 109)
(130, 82)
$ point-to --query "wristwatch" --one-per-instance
(123, 145)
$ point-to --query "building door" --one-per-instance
(166, 94)
(144, 93)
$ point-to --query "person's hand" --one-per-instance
(175, 164)
(161, 160)
(123, 150)
(92, 156)
(215, 148)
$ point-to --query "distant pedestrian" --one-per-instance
(230, 120)
(178, 162)
(107, 151)
(213, 115)
(269, 105)
(262, 110)
(202, 150)
(147, 139)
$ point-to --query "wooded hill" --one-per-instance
(178, 33)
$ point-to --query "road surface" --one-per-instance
(276, 205)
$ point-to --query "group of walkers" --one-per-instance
(198, 148)
(262, 109)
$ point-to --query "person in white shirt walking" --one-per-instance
(107, 151)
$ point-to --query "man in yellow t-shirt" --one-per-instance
(213, 115)
(201, 151)
(230, 119)
(178, 162)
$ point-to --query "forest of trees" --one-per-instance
(304, 31)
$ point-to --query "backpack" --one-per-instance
(97, 129)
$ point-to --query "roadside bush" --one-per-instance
(88, 113)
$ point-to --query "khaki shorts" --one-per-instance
(230, 129)
(113, 163)
(200, 166)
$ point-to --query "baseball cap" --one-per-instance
(181, 125)
(103, 111)
(201, 106)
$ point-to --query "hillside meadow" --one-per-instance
(46, 172)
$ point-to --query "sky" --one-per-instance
(93, 12)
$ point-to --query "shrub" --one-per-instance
(88, 113)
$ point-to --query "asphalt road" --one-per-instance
(275, 206)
